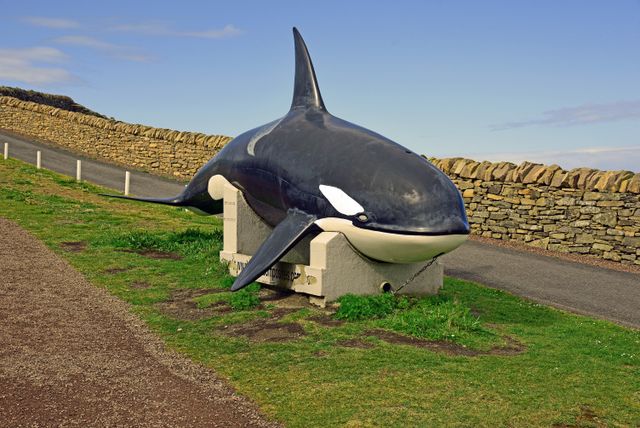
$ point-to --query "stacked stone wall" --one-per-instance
(582, 210)
(160, 151)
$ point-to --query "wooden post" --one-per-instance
(78, 170)
(38, 159)
(6, 151)
(127, 180)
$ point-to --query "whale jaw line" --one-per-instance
(393, 247)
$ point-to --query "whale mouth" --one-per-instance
(394, 247)
(455, 228)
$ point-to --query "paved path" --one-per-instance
(72, 355)
(569, 285)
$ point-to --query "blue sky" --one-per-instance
(548, 81)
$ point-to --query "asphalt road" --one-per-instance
(108, 175)
(568, 285)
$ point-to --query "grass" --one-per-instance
(354, 308)
(190, 242)
(574, 371)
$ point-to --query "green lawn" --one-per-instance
(472, 356)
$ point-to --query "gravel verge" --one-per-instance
(73, 355)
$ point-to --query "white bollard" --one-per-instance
(38, 159)
(127, 180)
(78, 170)
(6, 151)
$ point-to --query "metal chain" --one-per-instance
(415, 275)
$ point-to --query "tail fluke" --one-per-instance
(200, 203)
(175, 201)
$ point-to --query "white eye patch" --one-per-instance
(342, 202)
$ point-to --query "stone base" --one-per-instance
(325, 267)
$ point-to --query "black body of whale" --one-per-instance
(305, 172)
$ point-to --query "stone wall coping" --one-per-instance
(587, 179)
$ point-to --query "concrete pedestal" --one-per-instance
(325, 267)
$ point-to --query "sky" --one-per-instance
(549, 81)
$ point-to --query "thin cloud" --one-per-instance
(116, 51)
(57, 23)
(227, 31)
(605, 158)
(152, 28)
(20, 65)
(155, 28)
(580, 115)
(38, 53)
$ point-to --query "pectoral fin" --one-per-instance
(285, 236)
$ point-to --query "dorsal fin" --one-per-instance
(305, 90)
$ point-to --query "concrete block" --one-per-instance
(324, 267)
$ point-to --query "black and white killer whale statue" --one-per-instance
(310, 171)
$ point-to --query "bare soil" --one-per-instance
(155, 254)
(284, 298)
(326, 320)
(139, 285)
(72, 355)
(586, 418)
(74, 246)
(355, 343)
(270, 329)
(181, 305)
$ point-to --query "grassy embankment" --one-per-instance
(472, 356)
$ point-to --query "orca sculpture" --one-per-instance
(310, 171)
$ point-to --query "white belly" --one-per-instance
(392, 247)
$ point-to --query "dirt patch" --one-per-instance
(139, 285)
(181, 305)
(355, 343)
(115, 270)
(513, 347)
(284, 298)
(191, 293)
(270, 295)
(155, 254)
(586, 418)
(269, 330)
(326, 320)
(280, 313)
(74, 246)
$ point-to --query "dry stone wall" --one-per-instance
(161, 151)
(583, 210)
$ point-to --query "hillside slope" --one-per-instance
(60, 101)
